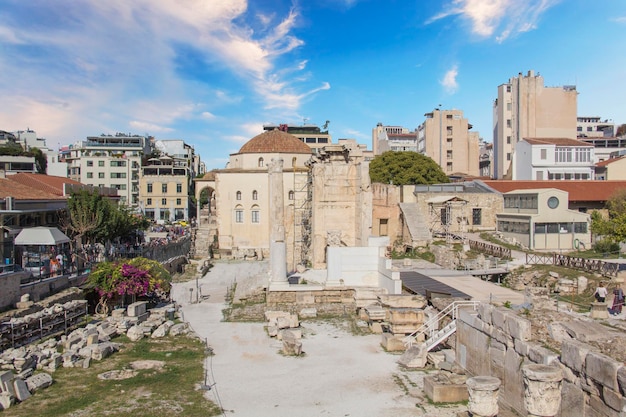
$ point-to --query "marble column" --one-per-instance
(542, 390)
(483, 396)
(278, 246)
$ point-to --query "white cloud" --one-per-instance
(207, 115)
(147, 127)
(449, 82)
(506, 17)
(619, 19)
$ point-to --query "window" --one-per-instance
(261, 163)
(444, 216)
(477, 216)
(579, 128)
(291, 195)
(255, 195)
(164, 202)
(449, 130)
(256, 216)
(508, 156)
(238, 215)
(589, 129)
(178, 201)
(148, 201)
(508, 122)
(449, 166)
(90, 175)
(100, 174)
(149, 188)
(449, 154)
(539, 175)
(89, 163)
(508, 106)
(508, 140)
(508, 88)
(238, 195)
(118, 163)
(544, 154)
(563, 155)
(100, 163)
(164, 187)
(179, 188)
(118, 175)
(382, 227)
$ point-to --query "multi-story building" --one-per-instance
(553, 159)
(525, 108)
(112, 161)
(312, 135)
(607, 148)
(446, 138)
(393, 138)
(164, 189)
(594, 127)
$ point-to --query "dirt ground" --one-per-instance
(340, 374)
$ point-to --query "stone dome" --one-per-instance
(275, 141)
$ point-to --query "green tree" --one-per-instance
(621, 130)
(405, 168)
(40, 159)
(86, 214)
(612, 228)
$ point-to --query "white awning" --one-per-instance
(570, 171)
(41, 236)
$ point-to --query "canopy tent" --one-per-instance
(41, 236)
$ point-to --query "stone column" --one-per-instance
(483, 396)
(278, 247)
(542, 390)
(599, 310)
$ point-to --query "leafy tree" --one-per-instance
(621, 130)
(612, 228)
(405, 168)
(87, 212)
(40, 159)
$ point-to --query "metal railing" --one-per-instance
(494, 250)
(588, 265)
(431, 328)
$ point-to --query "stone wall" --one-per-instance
(495, 341)
(9, 291)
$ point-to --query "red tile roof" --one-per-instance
(583, 190)
(608, 161)
(557, 142)
(10, 188)
(47, 183)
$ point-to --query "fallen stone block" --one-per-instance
(163, 329)
(178, 329)
(137, 309)
(135, 333)
(6, 382)
(291, 346)
(308, 313)
(38, 381)
(414, 357)
(6, 400)
(392, 343)
(21, 390)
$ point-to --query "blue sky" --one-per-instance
(212, 72)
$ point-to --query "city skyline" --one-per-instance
(213, 72)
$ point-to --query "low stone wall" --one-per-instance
(9, 291)
(496, 341)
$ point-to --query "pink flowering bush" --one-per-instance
(135, 277)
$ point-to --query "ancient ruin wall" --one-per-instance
(495, 341)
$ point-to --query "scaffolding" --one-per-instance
(445, 212)
(303, 216)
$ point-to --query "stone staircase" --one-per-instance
(418, 228)
(203, 241)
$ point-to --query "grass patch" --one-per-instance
(159, 393)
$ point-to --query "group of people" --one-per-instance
(618, 297)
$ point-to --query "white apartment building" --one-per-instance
(594, 127)
(553, 159)
(446, 138)
(525, 108)
(110, 161)
(393, 138)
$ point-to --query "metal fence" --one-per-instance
(494, 250)
(588, 265)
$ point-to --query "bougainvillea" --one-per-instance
(136, 277)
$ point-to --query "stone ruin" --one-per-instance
(286, 327)
(25, 370)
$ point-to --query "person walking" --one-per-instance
(601, 293)
(618, 300)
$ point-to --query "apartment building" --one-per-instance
(164, 188)
(594, 127)
(445, 137)
(393, 138)
(606, 148)
(311, 134)
(112, 161)
(525, 108)
(553, 159)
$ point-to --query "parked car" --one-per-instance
(38, 267)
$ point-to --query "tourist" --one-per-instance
(618, 300)
(601, 293)
(54, 265)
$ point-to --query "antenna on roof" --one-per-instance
(326, 125)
